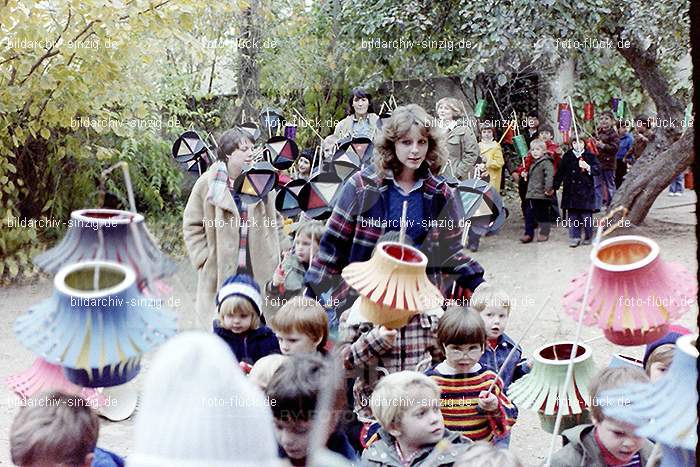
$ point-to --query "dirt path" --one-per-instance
(529, 273)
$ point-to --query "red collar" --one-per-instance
(492, 343)
(608, 457)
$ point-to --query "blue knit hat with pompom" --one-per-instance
(241, 285)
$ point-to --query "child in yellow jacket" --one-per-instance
(492, 155)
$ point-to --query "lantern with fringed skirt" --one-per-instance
(393, 284)
(82, 242)
(96, 324)
(636, 294)
(543, 388)
(664, 411)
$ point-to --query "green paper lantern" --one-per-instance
(520, 145)
(480, 108)
(620, 111)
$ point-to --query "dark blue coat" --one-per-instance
(250, 346)
(578, 189)
(104, 458)
(493, 359)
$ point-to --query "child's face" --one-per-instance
(619, 438)
(304, 166)
(657, 370)
(487, 135)
(577, 145)
(302, 247)
(463, 357)
(293, 436)
(295, 342)
(545, 135)
(605, 122)
(238, 322)
(495, 319)
(421, 424)
(622, 130)
(533, 122)
(328, 150)
(240, 157)
(537, 151)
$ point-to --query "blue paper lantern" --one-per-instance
(664, 411)
(97, 333)
(82, 243)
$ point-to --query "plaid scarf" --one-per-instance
(243, 243)
(219, 185)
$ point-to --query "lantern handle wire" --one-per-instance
(574, 349)
(510, 124)
(517, 343)
(307, 123)
(503, 119)
(573, 117)
(402, 232)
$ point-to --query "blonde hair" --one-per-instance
(63, 429)
(400, 123)
(488, 296)
(330, 140)
(612, 378)
(312, 229)
(483, 454)
(393, 395)
(455, 105)
(538, 142)
(304, 315)
(263, 369)
(239, 303)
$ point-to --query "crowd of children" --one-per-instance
(270, 386)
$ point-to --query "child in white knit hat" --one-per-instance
(198, 409)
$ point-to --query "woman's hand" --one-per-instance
(487, 402)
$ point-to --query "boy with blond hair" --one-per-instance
(407, 406)
(607, 441)
(301, 326)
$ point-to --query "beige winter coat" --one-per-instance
(212, 235)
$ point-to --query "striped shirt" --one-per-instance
(459, 404)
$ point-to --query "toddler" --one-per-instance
(659, 354)
(540, 192)
(238, 305)
(262, 371)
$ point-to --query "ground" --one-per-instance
(529, 272)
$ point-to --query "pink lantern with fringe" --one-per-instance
(635, 293)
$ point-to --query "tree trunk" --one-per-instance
(651, 174)
(668, 155)
(248, 71)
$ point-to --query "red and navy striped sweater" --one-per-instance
(459, 399)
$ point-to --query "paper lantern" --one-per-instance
(290, 131)
(255, 182)
(119, 402)
(543, 388)
(380, 315)
(619, 360)
(591, 146)
(508, 135)
(191, 152)
(43, 376)
(356, 149)
(664, 411)
(346, 161)
(615, 103)
(566, 136)
(480, 108)
(620, 111)
(520, 145)
(636, 293)
(282, 152)
(318, 195)
(588, 111)
(97, 335)
(251, 129)
(82, 243)
(564, 117)
(271, 119)
(483, 206)
(287, 199)
(395, 277)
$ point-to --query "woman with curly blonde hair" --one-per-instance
(409, 155)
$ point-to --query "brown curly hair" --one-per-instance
(400, 123)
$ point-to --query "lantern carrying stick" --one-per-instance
(573, 117)
(402, 232)
(517, 343)
(308, 124)
(574, 349)
(503, 119)
(510, 125)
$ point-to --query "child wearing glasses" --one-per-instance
(467, 405)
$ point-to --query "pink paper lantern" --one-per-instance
(634, 293)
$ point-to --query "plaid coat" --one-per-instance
(368, 357)
(355, 226)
